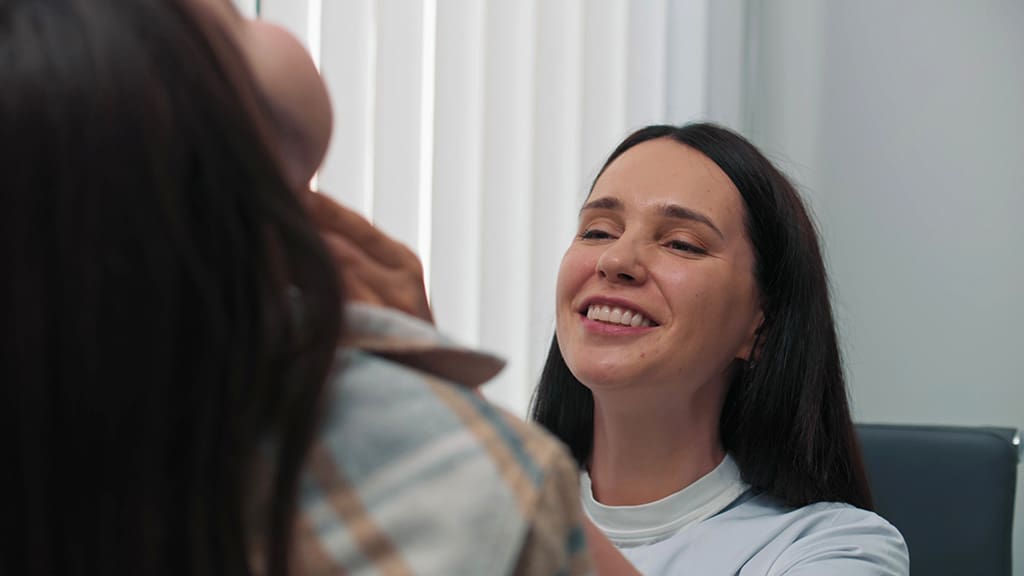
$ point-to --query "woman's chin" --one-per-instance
(605, 376)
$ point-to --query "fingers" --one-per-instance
(354, 270)
(388, 275)
(330, 216)
(363, 278)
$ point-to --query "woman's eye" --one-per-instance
(594, 234)
(680, 246)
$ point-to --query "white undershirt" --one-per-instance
(629, 526)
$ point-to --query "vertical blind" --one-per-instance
(471, 129)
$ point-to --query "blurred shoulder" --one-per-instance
(432, 475)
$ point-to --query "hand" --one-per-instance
(372, 267)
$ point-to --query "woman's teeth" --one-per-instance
(616, 315)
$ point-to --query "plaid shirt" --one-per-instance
(415, 473)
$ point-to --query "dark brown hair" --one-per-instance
(786, 418)
(169, 312)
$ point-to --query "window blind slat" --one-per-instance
(646, 62)
(397, 122)
(605, 48)
(458, 173)
(557, 188)
(686, 58)
(505, 202)
(347, 63)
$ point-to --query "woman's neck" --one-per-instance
(648, 448)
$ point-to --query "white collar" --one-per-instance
(628, 526)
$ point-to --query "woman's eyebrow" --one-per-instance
(674, 211)
(678, 212)
(606, 203)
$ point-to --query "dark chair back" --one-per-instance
(949, 491)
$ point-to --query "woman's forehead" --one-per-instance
(663, 172)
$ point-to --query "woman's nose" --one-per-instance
(621, 263)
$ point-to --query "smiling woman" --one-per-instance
(648, 244)
(695, 372)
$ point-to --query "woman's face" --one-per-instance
(288, 79)
(658, 285)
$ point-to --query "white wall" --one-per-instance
(903, 122)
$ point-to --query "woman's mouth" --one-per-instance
(617, 315)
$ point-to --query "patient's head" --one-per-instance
(300, 111)
(155, 259)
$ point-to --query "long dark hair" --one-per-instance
(786, 418)
(169, 311)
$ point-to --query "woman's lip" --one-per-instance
(612, 301)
